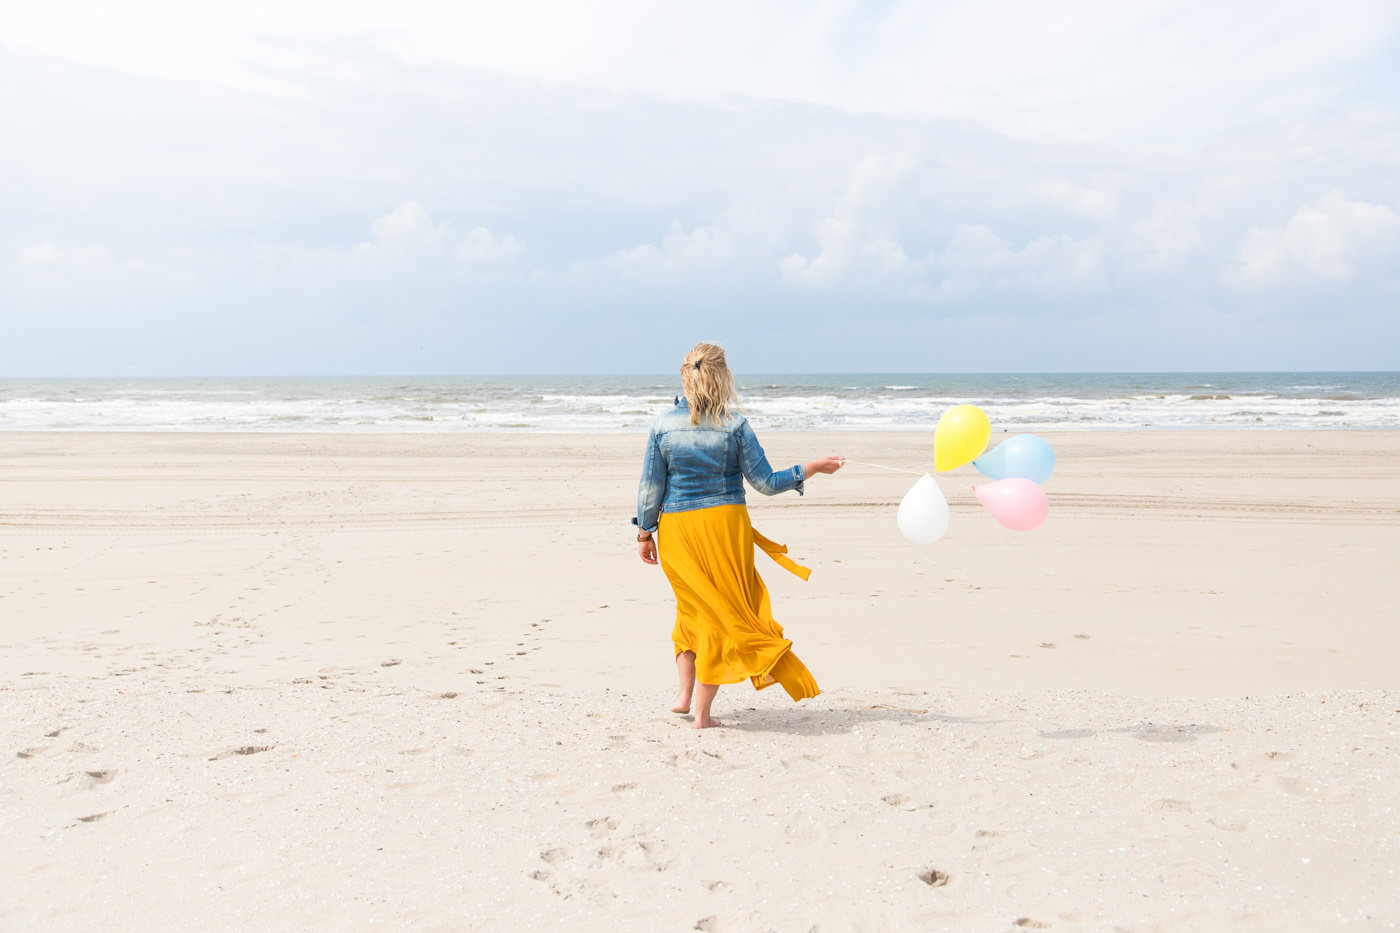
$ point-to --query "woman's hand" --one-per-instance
(647, 550)
(824, 465)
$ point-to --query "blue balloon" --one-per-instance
(1021, 455)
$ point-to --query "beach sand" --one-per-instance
(314, 682)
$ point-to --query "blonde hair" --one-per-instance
(708, 384)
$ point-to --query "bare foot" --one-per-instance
(709, 723)
(682, 706)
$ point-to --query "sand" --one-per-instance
(420, 682)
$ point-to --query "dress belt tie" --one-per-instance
(779, 554)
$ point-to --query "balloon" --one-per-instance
(960, 437)
(1017, 502)
(923, 513)
(1023, 455)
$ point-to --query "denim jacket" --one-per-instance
(696, 466)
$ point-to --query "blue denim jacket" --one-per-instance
(696, 466)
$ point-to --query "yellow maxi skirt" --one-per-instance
(722, 610)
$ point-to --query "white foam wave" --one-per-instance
(551, 406)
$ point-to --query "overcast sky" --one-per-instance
(415, 187)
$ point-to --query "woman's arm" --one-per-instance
(764, 478)
(823, 465)
(651, 492)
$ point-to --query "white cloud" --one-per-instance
(408, 233)
(1335, 241)
(1074, 199)
(538, 193)
(976, 259)
(47, 254)
(737, 245)
(850, 253)
(1164, 237)
(859, 244)
(678, 255)
(1077, 69)
(856, 243)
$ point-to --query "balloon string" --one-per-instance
(881, 466)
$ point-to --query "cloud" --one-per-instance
(392, 204)
(733, 244)
(91, 270)
(409, 234)
(860, 244)
(851, 253)
(1074, 70)
(1073, 199)
(856, 243)
(46, 254)
(1334, 241)
(977, 259)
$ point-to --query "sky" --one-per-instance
(318, 188)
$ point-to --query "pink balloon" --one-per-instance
(1017, 503)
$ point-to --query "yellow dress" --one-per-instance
(722, 610)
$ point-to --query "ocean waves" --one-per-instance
(608, 404)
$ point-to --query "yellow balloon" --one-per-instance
(961, 436)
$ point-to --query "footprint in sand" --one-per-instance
(636, 854)
(244, 750)
(933, 877)
(102, 777)
(806, 828)
(555, 856)
(31, 752)
(731, 923)
(1236, 826)
(692, 757)
(1067, 734)
(905, 802)
(1152, 732)
(1029, 924)
(1312, 789)
(602, 825)
(1169, 804)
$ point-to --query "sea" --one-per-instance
(1021, 402)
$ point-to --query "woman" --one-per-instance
(691, 516)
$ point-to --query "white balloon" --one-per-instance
(923, 513)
